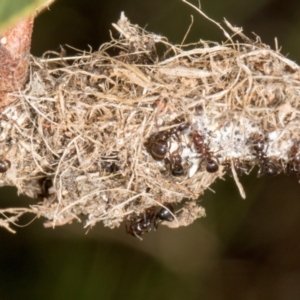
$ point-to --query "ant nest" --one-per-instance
(102, 137)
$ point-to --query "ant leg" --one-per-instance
(137, 235)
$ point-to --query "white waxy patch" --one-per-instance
(173, 147)
(157, 38)
(194, 167)
(160, 121)
(235, 139)
(3, 41)
(273, 136)
(161, 164)
(186, 152)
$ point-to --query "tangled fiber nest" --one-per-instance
(104, 136)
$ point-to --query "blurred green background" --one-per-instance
(243, 249)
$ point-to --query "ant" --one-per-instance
(48, 192)
(109, 167)
(109, 164)
(150, 220)
(46, 184)
(179, 129)
(175, 162)
(267, 166)
(259, 147)
(158, 144)
(293, 165)
(212, 163)
(4, 165)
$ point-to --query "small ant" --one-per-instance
(293, 165)
(4, 165)
(150, 220)
(109, 164)
(179, 129)
(109, 167)
(212, 163)
(267, 166)
(175, 164)
(46, 184)
(295, 158)
(158, 144)
(259, 147)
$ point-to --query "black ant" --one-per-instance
(109, 164)
(109, 167)
(46, 184)
(259, 147)
(4, 165)
(150, 220)
(175, 162)
(158, 144)
(267, 166)
(179, 129)
(212, 163)
(293, 165)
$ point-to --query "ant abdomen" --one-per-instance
(4, 165)
(166, 213)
